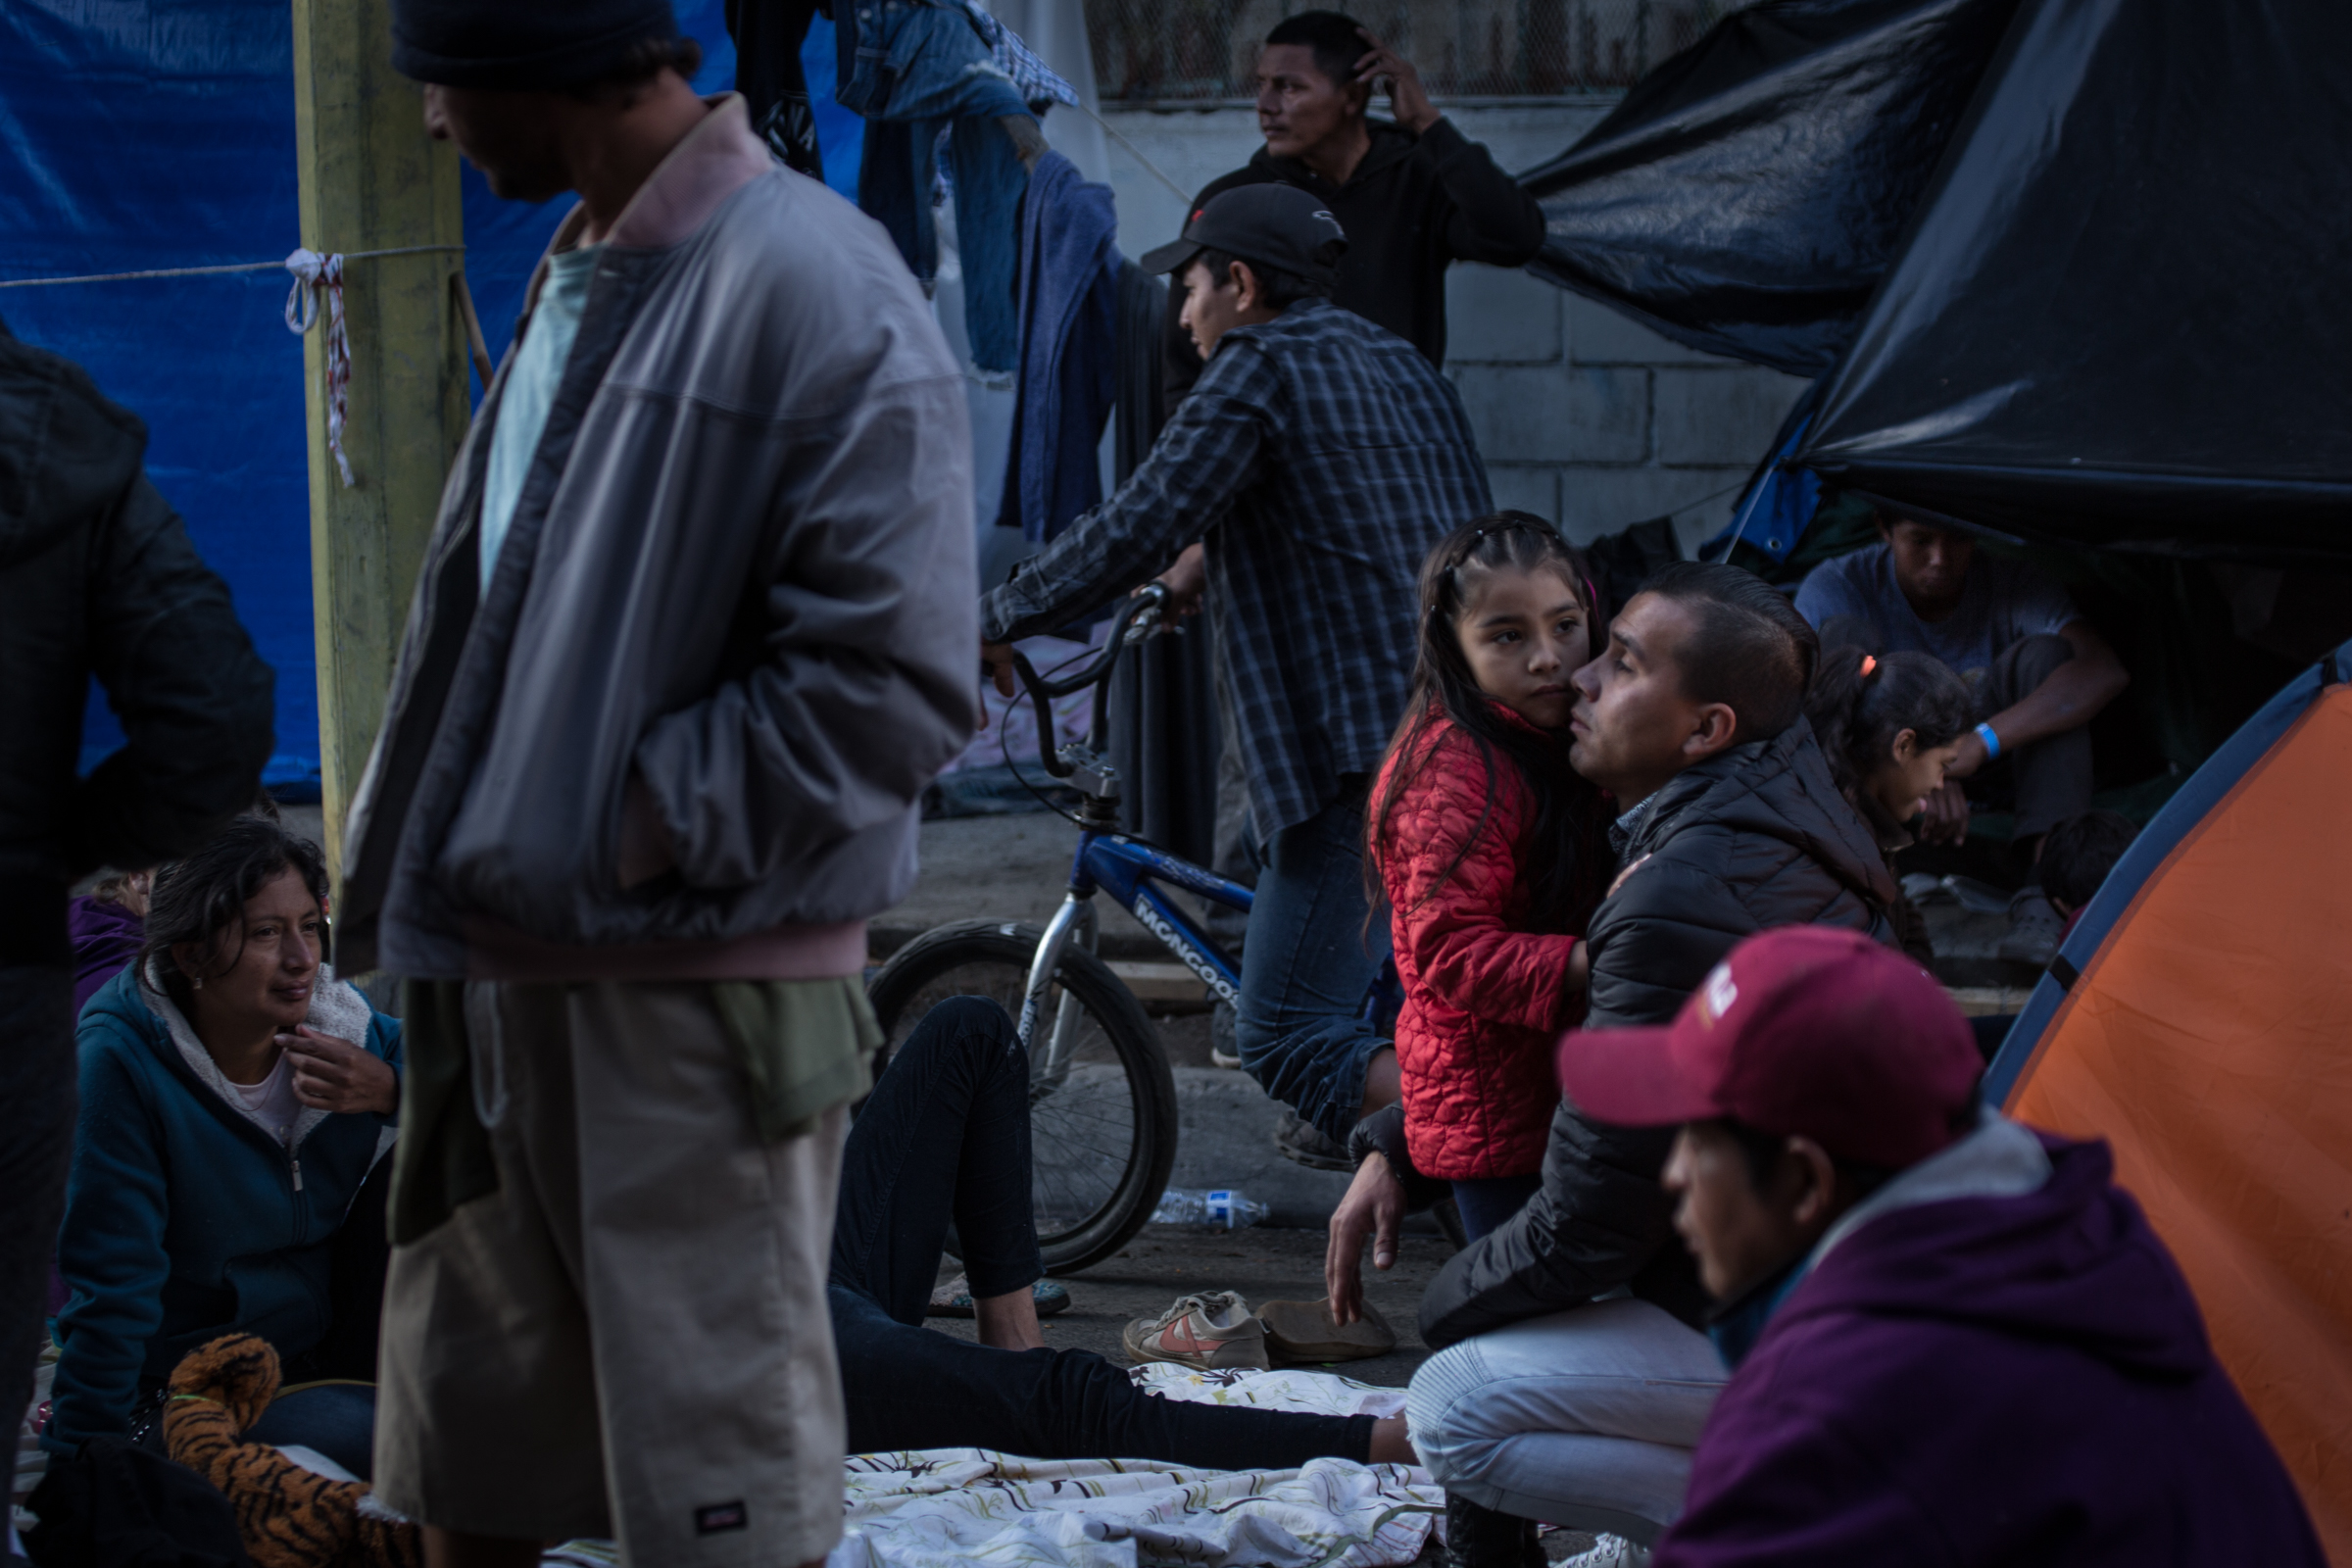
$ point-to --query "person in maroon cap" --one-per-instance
(1954, 1339)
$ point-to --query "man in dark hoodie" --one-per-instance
(1956, 1340)
(97, 577)
(1552, 1403)
(1414, 194)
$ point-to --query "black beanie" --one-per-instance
(522, 45)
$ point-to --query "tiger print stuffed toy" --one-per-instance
(288, 1517)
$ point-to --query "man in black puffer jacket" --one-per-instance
(96, 578)
(1552, 1404)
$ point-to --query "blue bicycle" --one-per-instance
(1101, 1099)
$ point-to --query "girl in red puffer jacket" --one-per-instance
(1492, 854)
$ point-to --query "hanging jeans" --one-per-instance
(920, 70)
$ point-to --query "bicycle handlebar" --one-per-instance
(1136, 620)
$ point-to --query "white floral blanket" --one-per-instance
(958, 1507)
(949, 1507)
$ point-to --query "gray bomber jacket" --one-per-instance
(741, 566)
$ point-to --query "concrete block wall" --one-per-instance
(1583, 416)
(1586, 417)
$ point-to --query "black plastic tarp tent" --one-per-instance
(1746, 196)
(2076, 269)
(2120, 318)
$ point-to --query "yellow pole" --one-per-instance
(371, 179)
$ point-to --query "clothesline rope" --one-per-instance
(1152, 168)
(318, 280)
(208, 271)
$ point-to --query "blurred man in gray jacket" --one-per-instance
(692, 635)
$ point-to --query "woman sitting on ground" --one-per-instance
(109, 924)
(1889, 727)
(944, 1136)
(235, 1097)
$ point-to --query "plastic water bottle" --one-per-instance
(1218, 1206)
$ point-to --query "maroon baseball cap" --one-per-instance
(1804, 1031)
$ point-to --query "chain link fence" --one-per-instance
(1204, 50)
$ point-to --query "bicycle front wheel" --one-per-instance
(1102, 1113)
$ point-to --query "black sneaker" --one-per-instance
(1303, 1142)
(2035, 926)
(1482, 1538)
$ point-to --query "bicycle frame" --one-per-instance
(1128, 870)
(1131, 872)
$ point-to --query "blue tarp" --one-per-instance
(141, 134)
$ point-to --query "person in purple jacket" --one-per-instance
(1954, 1340)
(107, 924)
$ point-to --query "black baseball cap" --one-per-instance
(1277, 227)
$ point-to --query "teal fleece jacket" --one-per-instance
(184, 1217)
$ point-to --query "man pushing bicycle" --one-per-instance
(1330, 456)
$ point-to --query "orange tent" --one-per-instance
(2199, 1018)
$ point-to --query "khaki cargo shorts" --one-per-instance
(629, 1339)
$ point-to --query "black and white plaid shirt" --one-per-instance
(1320, 458)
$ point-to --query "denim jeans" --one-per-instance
(1584, 1418)
(945, 1135)
(920, 69)
(1486, 1202)
(334, 1419)
(2052, 776)
(1313, 951)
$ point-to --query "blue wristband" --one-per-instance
(1992, 741)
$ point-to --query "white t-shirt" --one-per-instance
(273, 1099)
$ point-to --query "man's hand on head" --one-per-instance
(1409, 100)
(1946, 819)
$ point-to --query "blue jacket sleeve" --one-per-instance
(110, 1250)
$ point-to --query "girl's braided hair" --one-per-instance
(1859, 703)
(1563, 877)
